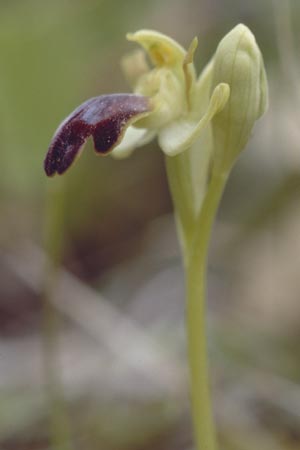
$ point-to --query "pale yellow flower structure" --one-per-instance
(172, 86)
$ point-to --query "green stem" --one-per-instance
(203, 423)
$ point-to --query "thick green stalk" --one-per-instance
(204, 428)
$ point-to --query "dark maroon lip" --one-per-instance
(105, 118)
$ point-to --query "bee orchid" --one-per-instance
(166, 103)
(202, 124)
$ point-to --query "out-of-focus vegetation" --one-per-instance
(119, 350)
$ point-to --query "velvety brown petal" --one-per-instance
(105, 118)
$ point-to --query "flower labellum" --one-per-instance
(105, 118)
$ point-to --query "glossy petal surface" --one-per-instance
(105, 118)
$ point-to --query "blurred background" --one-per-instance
(103, 366)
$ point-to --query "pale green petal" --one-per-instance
(163, 50)
(170, 84)
(181, 134)
(133, 138)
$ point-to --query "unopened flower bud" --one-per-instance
(238, 62)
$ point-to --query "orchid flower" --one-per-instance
(166, 103)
